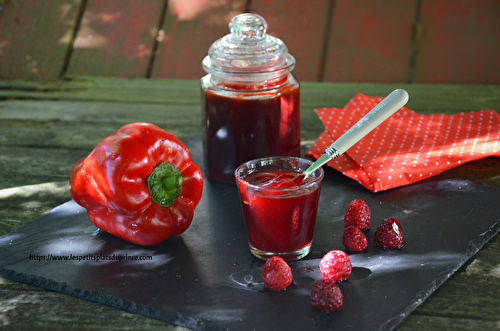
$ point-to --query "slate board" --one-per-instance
(207, 279)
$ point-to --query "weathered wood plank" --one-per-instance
(33, 45)
(17, 299)
(370, 41)
(105, 89)
(189, 30)
(459, 42)
(302, 27)
(116, 38)
(81, 125)
(26, 166)
(454, 298)
(424, 98)
(431, 323)
(22, 204)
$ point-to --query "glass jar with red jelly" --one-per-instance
(250, 99)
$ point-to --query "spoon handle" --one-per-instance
(388, 106)
(394, 101)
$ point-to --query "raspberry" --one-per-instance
(389, 234)
(335, 266)
(357, 214)
(354, 240)
(277, 275)
(326, 296)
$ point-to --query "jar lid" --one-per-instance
(248, 49)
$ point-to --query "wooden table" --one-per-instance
(46, 128)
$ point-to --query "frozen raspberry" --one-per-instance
(277, 275)
(357, 214)
(335, 266)
(389, 234)
(326, 296)
(354, 240)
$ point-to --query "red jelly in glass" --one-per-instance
(250, 99)
(279, 206)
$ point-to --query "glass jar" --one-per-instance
(250, 99)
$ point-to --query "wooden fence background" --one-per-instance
(384, 41)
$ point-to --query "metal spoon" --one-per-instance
(394, 101)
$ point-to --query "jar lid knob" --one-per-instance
(248, 27)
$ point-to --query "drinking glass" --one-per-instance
(279, 206)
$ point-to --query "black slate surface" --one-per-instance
(207, 279)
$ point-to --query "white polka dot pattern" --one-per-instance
(407, 147)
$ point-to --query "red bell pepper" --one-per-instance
(138, 184)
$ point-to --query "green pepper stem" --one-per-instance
(165, 184)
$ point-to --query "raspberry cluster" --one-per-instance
(326, 296)
(335, 266)
(357, 218)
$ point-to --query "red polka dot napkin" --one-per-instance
(407, 147)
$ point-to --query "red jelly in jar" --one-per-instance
(279, 205)
(250, 99)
